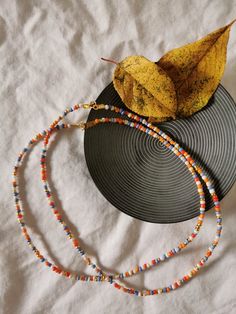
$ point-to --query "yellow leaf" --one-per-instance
(196, 70)
(145, 88)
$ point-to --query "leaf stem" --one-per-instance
(109, 60)
(230, 24)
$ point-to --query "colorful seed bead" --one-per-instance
(128, 273)
(151, 130)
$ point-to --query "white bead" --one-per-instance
(162, 258)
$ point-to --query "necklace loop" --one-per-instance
(151, 130)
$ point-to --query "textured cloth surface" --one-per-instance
(49, 59)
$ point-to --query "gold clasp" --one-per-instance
(86, 106)
(90, 105)
(93, 105)
(80, 125)
(84, 125)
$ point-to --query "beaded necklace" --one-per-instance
(114, 279)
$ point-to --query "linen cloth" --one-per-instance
(50, 59)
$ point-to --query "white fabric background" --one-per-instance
(49, 59)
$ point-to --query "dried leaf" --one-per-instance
(145, 88)
(196, 70)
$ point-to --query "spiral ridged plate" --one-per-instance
(143, 179)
